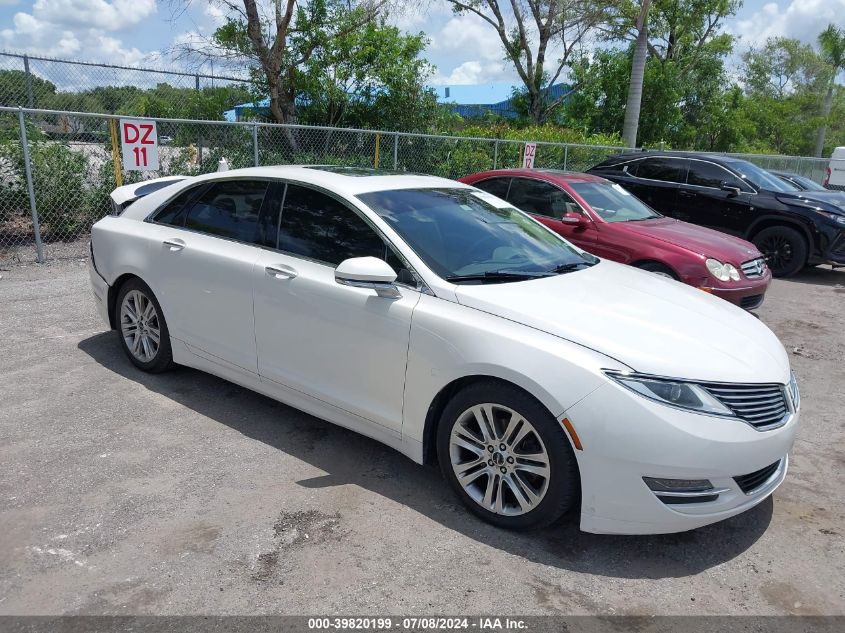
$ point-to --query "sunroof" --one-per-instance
(347, 170)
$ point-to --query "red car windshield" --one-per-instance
(612, 202)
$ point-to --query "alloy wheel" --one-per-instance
(139, 326)
(499, 459)
(777, 250)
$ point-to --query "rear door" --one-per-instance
(656, 181)
(201, 259)
(703, 201)
(548, 203)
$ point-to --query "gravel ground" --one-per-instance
(125, 493)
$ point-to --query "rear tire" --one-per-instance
(516, 463)
(658, 269)
(784, 248)
(143, 331)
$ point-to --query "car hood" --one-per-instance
(698, 239)
(651, 324)
(831, 200)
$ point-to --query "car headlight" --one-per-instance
(722, 272)
(675, 393)
(836, 217)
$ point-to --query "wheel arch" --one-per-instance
(770, 221)
(650, 260)
(438, 404)
(114, 291)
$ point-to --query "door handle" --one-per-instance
(280, 271)
(686, 194)
(175, 244)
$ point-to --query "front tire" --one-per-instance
(784, 248)
(143, 331)
(506, 457)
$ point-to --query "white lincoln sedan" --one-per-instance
(441, 321)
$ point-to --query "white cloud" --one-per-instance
(78, 29)
(801, 19)
(109, 16)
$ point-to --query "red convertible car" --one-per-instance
(604, 219)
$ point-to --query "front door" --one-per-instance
(342, 345)
(548, 203)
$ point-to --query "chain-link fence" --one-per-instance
(71, 170)
(57, 84)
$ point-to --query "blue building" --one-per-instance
(471, 102)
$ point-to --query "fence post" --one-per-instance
(196, 82)
(39, 246)
(495, 153)
(395, 151)
(565, 156)
(30, 100)
(255, 142)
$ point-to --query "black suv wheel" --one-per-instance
(785, 249)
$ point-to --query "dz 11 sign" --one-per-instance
(139, 144)
(528, 156)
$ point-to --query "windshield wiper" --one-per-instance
(496, 275)
(568, 268)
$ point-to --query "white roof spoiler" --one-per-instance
(127, 194)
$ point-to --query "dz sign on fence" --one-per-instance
(139, 144)
(528, 156)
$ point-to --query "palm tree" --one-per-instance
(832, 44)
(635, 87)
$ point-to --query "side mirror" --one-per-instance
(368, 272)
(733, 191)
(573, 219)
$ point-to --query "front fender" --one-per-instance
(450, 341)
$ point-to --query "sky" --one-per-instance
(464, 49)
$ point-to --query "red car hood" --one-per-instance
(698, 239)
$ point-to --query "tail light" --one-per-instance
(826, 177)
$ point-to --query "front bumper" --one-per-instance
(746, 293)
(626, 437)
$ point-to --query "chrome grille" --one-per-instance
(762, 406)
(754, 268)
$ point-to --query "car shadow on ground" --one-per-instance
(349, 458)
(820, 276)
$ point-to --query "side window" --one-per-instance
(541, 198)
(172, 212)
(497, 186)
(706, 174)
(229, 209)
(665, 169)
(319, 227)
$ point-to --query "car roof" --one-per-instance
(788, 174)
(558, 175)
(348, 180)
(626, 156)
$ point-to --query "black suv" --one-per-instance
(789, 227)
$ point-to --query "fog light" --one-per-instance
(677, 485)
(683, 491)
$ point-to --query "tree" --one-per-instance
(560, 26)
(280, 37)
(635, 87)
(373, 76)
(682, 36)
(832, 45)
(783, 79)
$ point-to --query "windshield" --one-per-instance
(612, 202)
(809, 185)
(472, 234)
(758, 177)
